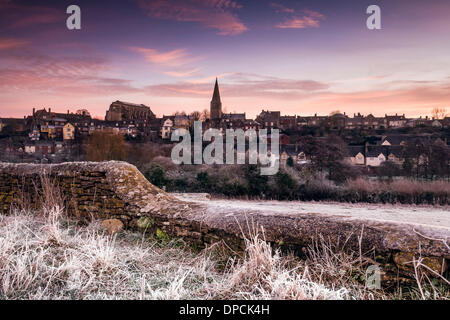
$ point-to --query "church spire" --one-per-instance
(216, 104)
(216, 94)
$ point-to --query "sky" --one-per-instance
(300, 57)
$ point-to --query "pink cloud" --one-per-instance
(56, 83)
(215, 14)
(29, 72)
(298, 20)
(281, 8)
(174, 63)
(174, 58)
(19, 15)
(182, 74)
(310, 19)
(11, 43)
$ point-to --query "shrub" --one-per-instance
(257, 183)
(156, 175)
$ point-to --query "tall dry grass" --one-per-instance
(403, 186)
(45, 257)
(49, 257)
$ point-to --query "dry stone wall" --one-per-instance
(117, 190)
(89, 190)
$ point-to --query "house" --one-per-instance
(74, 118)
(372, 122)
(45, 147)
(357, 155)
(68, 131)
(419, 122)
(49, 131)
(439, 141)
(181, 121)
(251, 125)
(30, 148)
(436, 123)
(446, 122)
(356, 122)
(288, 122)
(269, 119)
(337, 120)
(35, 134)
(301, 122)
(316, 121)
(292, 151)
(286, 153)
(395, 155)
(394, 140)
(59, 146)
(14, 125)
(52, 128)
(232, 120)
(301, 158)
(376, 155)
(166, 128)
(397, 121)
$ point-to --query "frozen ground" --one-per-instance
(437, 217)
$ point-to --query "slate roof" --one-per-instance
(234, 116)
(374, 151)
(354, 150)
(290, 150)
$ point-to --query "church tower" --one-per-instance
(216, 104)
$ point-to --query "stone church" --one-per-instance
(120, 111)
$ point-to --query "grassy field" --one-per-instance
(47, 256)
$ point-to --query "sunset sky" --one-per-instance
(299, 57)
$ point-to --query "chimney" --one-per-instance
(34, 110)
(49, 110)
(67, 111)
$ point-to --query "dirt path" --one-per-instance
(425, 216)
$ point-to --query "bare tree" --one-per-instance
(101, 146)
(196, 115)
(439, 113)
(205, 114)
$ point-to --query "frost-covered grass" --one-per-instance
(46, 256)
